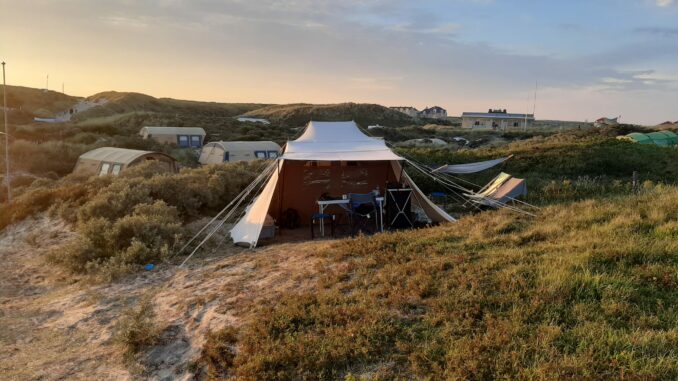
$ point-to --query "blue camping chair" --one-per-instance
(361, 209)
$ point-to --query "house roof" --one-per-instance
(337, 141)
(496, 115)
(175, 130)
(117, 155)
(433, 109)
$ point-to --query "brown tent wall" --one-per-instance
(301, 183)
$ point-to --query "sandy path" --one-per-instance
(52, 327)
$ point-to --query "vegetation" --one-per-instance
(363, 114)
(117, 103)
(583, 291)
(25, 103)
(134, 219)
(137, 328)
(564, 167)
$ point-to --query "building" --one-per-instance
(435, 112)
(111, 161)
(184, 137)
(604, 122)
(407, 110)
(223, 152)
(495, 119)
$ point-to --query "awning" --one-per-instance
(471, 167)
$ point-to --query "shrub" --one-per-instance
(218, 353)
(109, 248)
(137, 328)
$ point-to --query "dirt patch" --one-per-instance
(53, 326)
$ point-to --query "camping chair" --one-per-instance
(499, 191)
(361, 207)
(321, 217)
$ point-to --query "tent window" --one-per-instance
(314, 163)
(226, 158)
(104, 169)
(317, 177)
(195, 141)
(182, 141)
(272, 154)
(260, 154)
(116, 169)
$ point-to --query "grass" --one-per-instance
(364, 114)
(583, 291)
(564, 167)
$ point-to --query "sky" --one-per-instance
(587, 58)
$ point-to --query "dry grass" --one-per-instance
(585, 291)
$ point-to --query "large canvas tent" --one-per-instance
(184, 137)
(329, 157)
(660, 138)
(112, 160)
(221, 152)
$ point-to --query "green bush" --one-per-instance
(109, 248)
(133, 219)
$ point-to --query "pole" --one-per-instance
(4, 111)
(534, 106)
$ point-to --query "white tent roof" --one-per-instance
(337, 141)
(327, 141)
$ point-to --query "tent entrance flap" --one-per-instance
(248, 229)
(433, 211)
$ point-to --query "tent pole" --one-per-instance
(280, 193)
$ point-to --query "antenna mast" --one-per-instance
(4, 111)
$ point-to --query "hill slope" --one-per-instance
(37, 102)
(583, 291)
(123, 103)
(363, 114)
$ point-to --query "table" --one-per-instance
(322, 204)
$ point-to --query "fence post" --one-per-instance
(636, 186)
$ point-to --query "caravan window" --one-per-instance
(104, 169)
(195, 141)
(260, 154)
(272, 154)
(182, 141)
(116, 169)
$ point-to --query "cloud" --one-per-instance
(125, 22)
(659, 31)
(665, 3)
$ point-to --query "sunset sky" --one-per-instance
(590, 58)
